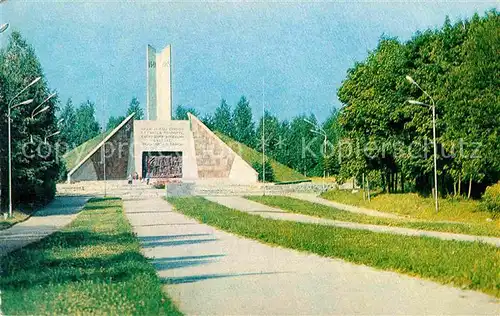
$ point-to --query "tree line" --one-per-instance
(81, 123)
(458, 66)
(294, 143)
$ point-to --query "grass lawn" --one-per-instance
(281, 172)
(22, 213)
(415, 206)
(308, 208)
(462, 264)
(93, 266)
(16, 218)
(321, 180)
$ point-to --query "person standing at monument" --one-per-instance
(148, 175)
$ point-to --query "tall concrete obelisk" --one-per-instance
(159, 91)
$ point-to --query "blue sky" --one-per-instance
(96, 49)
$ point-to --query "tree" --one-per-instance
(304, 146)
(208, 120)
(271, 137)
(35, 162)
(376, 113)
(182, 111)
(267, 170)
(134, 107)
(244, 127)
(222, 120)
(86, 126)
(457, 65)
(333, 130)
(68, 117)
(114, 121)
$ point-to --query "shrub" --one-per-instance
(491, 199)
(159, 186)
(269, 172)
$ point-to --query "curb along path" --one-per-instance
(57, 214)
(209, 271)
(252, 207)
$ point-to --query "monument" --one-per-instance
(160, 147)
(159, 90)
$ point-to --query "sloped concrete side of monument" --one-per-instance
(118, 142)
(217, 160)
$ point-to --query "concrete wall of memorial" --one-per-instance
(172, 136)
(117, 158)
(86, 172)
(215, 159)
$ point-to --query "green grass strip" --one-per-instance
(462, 264)
(93, 266)
(17, 217)
(293, 205)
(457, 209)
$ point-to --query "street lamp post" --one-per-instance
(4, 27)
(9, 110)
(33, 114)
(433, 106)
(263, 142)
(36, 113)
(320, 131)
(50, 135)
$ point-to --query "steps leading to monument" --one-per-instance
(207, 187)
(120, 188)
(230, 189)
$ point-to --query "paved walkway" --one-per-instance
(252, 207)
(51, 218)
(349, 208)
(209, 271)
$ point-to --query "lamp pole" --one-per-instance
(3, 28)
(263, 141)
(320, 131)
(103, 150)
(9, 110)
(433, 106)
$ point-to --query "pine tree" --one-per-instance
(68, 121)
(181, 112)
(114, 121)
(244, 127)
(222, 120)
(86, 126)
(135, 107)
